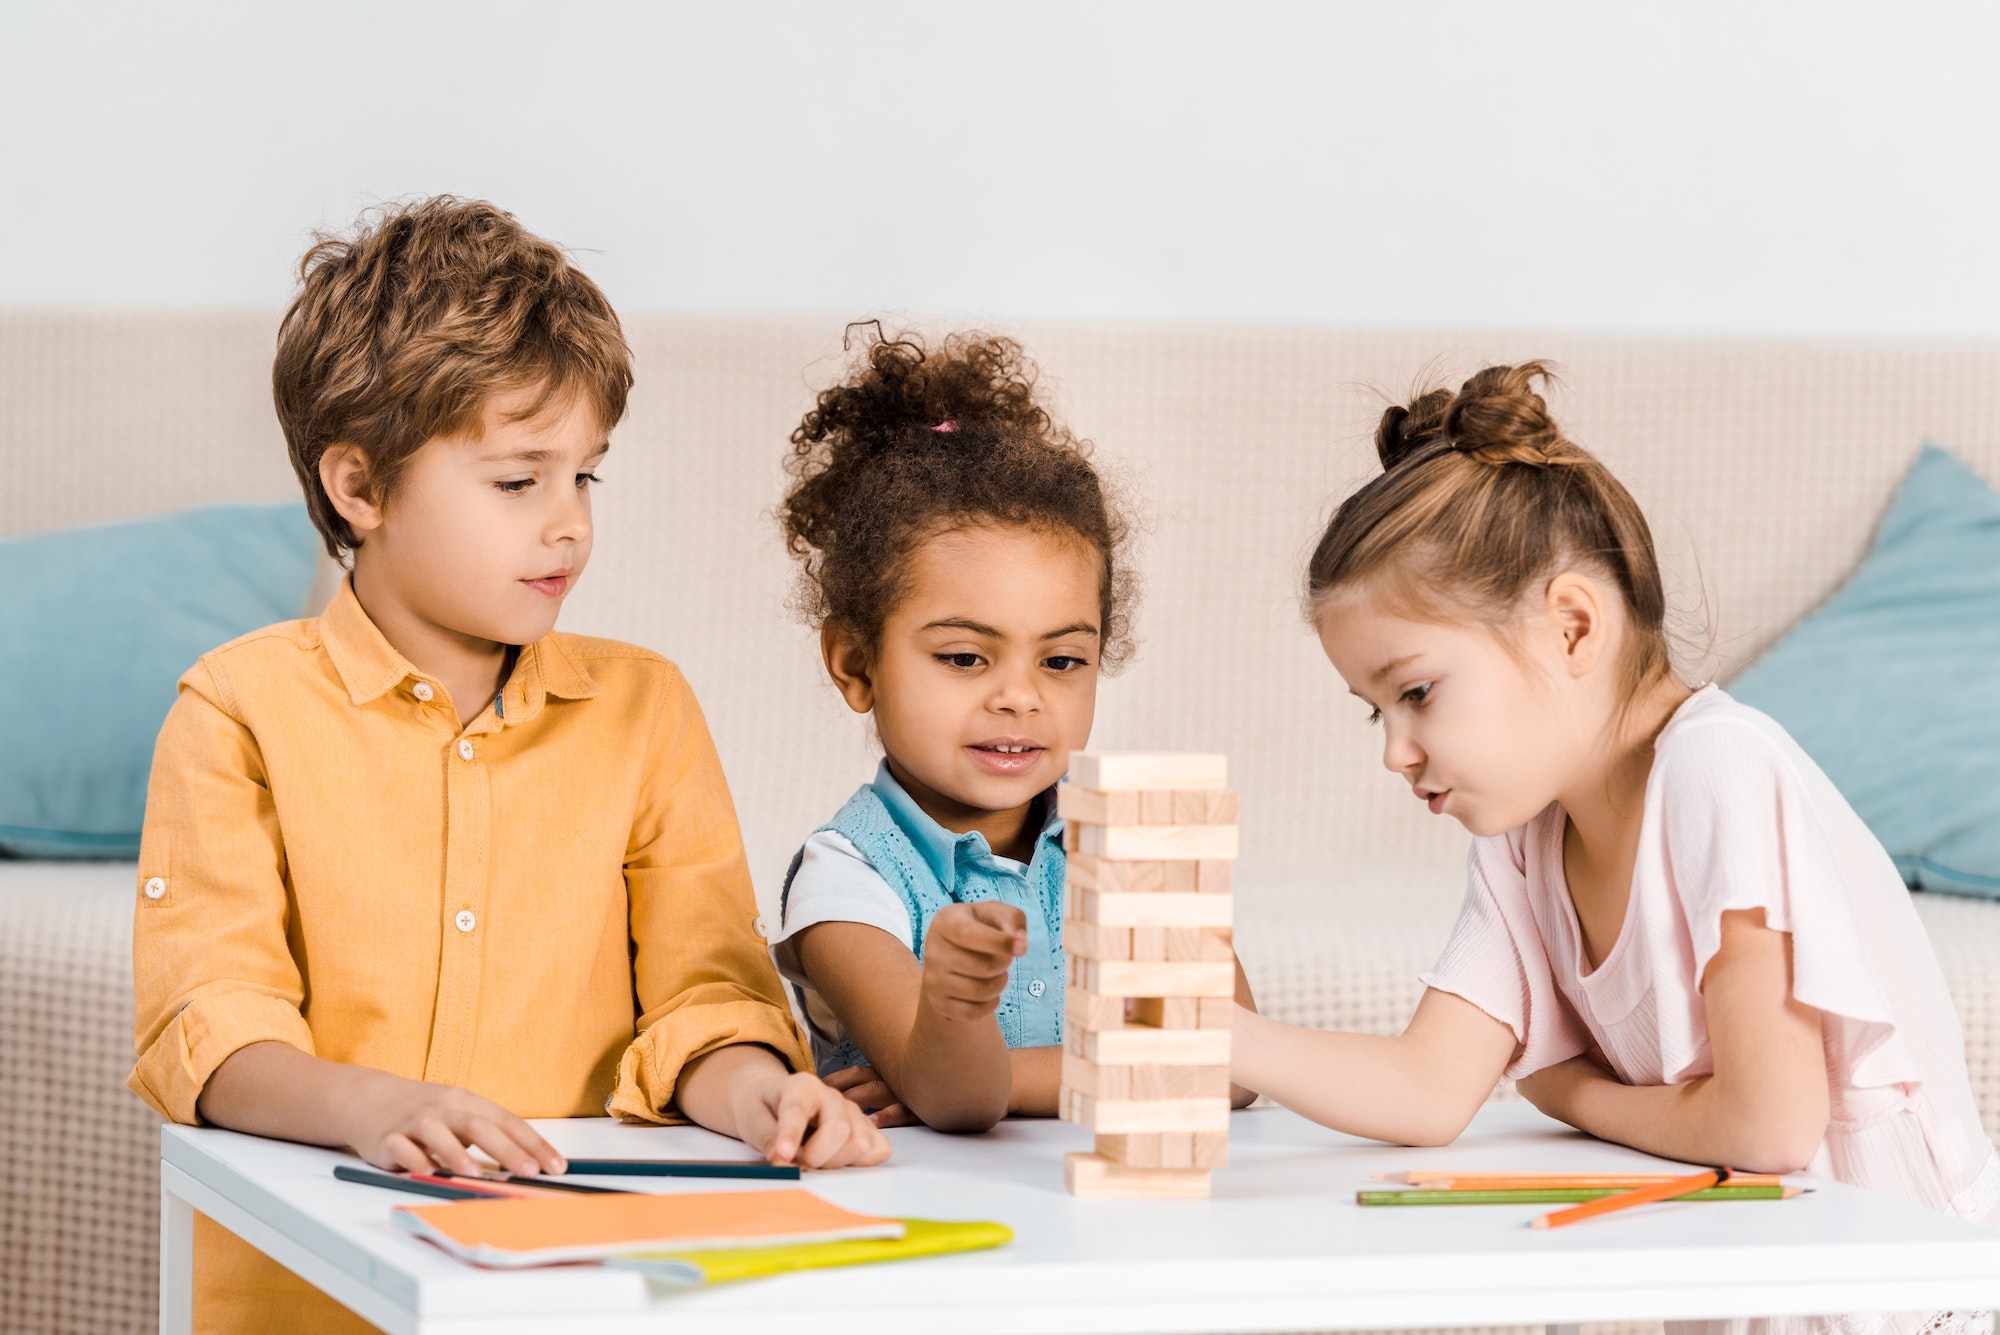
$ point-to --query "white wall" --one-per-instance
(1693, 166)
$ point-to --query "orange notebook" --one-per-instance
(511, 1233)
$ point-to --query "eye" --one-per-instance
(515, 486)
(1064, 663)
(960, 660)
(1417, 695)
(584, 480)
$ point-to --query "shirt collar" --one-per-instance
(939, 847)
(370, 667)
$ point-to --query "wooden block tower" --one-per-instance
(1147, 926)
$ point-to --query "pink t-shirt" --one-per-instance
(1738, 817)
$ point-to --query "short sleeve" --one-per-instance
(1495, 959)
(703, 977)
(212, 970)
(834, 883)
(1742, 829)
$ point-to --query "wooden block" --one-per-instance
(1182, 878)
(1140, 1045)
(1177, 1149)
(1155, 843)
(1136, 771)
(1138, 1149)
(1149, 943)
(1089, 806)
(1162, 910)
(1166, 978)
(1087, 872)
(1210, 1149)
(1092, 1175)
(1072, 837)
(1222, 806)
(1200, 943)
(1215, 1013)
(1110, 1082)
(1094, 941)
(1191, 808)
(1116, 1115)
(1162, 1082)
(1214, 876)
(1166, 1012)
(1156, 808)
(1084, 1009)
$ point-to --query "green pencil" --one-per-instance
(1558, 1196)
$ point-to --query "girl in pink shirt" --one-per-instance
(1676, 934)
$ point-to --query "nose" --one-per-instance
(569, 520)
(1014, 690)
(1400, 752)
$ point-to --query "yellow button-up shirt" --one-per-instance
(549, 907)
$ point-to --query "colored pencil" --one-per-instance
(1516, 1181)
(1663, 1191)
(543, 1183)
(368, 1177)
(1557, 1195)
(683, 1168)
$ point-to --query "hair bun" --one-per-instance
(1498, 418)
(1404, 431)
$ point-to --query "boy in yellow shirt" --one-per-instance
(422, 867)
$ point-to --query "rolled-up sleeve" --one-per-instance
(212, 970)
(703, 973)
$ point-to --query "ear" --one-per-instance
(343, 471)
(1575, 607)
(847, 662)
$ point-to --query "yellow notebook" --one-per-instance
(921, 1237)
(546, 1231)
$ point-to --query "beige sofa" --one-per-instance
(1764, 467)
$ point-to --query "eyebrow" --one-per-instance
(1392, 665)
(981, 628)
(540, 456)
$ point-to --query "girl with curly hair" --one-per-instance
(962, 561)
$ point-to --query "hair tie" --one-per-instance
(946, 425)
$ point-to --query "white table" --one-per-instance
(1281, 1246)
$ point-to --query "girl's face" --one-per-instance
(985, 676)
(1482, 731)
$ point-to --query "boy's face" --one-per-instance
(1484, 734)
(484, 537)
(985, 676)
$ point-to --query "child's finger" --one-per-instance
(443, 1147)
(400, 1153)
(545, 1155)
(850, 1077)
(894, 1114)
(505, 1150)
(874, 1094)
(835, 1127)
(798, 1101)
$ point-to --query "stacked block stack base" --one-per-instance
(1148, 914)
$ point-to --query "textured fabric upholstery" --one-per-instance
(1763, 466)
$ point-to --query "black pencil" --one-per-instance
(684, 1168)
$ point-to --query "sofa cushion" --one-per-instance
(100, 622)
(1893, 684)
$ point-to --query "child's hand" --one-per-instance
(798, 1118)
(866, 1089)
(411, 1124)
(967, 952)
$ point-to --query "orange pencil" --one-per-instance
(1664, 1191)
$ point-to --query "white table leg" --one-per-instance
(176, 1264)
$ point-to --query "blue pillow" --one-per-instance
(1893, 686)
(96, 626)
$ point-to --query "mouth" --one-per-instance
(553, 586)
(1433, 798)
(1007, 755)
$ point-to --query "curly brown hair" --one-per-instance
(402, 331)
(915, 443)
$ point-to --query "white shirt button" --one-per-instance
(156, 887)
(761, 928)
(464, 749)
(466, 922)
(1036, 988)
(422, 690)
